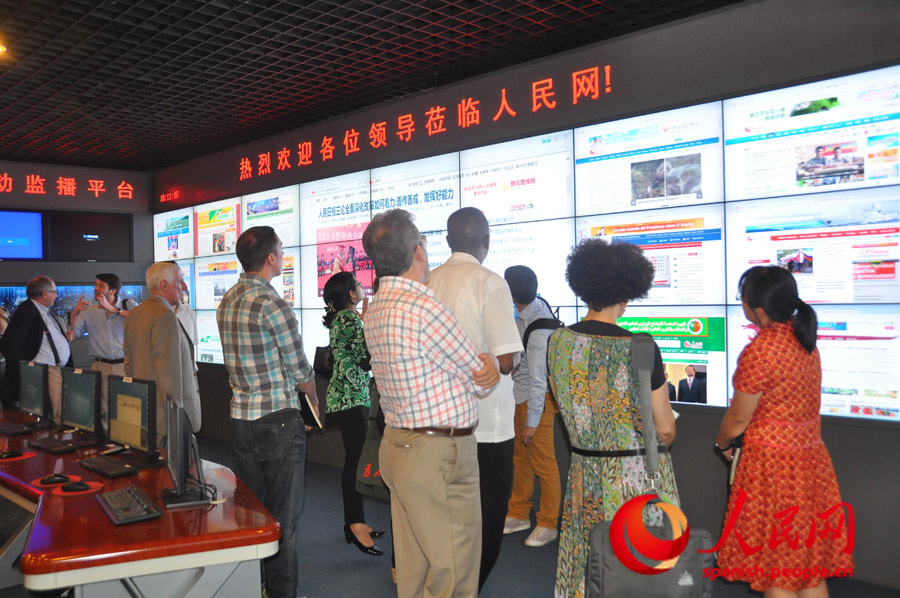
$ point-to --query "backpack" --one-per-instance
(542, 324)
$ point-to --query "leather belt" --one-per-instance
(113, 361)
(444, 431)
(622, 453)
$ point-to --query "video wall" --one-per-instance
(806, 177)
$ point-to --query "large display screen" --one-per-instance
(209, 346)
(173, 235)
(522, 180)
(88, 237)
(841, 247)
(427, 188)
(826, 136)
(685, 246)
(805, 178)
(214, 276)
(216, 227)
(21, 235)
(279, 208)
(658, 160)
(859, 348)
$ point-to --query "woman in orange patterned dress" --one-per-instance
(785, 527)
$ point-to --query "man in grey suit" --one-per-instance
(158, 348)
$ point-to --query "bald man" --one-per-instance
(481, 301)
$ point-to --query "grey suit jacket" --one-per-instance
(157, 348)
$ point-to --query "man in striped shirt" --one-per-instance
(429, 375)
(266, 364)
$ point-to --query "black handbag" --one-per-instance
(323, 362)
(605, 575)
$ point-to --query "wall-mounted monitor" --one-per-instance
(287, 284)
(217, 227)
(859, 348)
(830, 135)
(687, 336)
(521, 180)
(89, 237)
(334, 210)
(278, 208)
(173, 235)
(214, 276)
(685, 246)
(427, 188)
(21, 235)
(209, 347)
(659, 160)
(841, 247)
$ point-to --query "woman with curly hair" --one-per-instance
(348, 397)
(599, 400)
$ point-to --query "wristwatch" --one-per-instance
(118, 311)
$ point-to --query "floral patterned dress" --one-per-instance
(599, 401)
(349, 385)
(784, 472)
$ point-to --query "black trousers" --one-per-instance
(495, 469)
(353, 423)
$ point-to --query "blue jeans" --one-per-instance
(269, 456)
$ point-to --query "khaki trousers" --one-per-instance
(536, 459)
(436, 510)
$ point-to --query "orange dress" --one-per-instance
(787, 533)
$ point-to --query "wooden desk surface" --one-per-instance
(73, 532)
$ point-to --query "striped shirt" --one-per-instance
(262, 347)
(422, 359)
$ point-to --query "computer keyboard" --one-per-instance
(128, 505)
(13, 429)
(53, 445)
(107, 466)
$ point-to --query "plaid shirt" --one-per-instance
(262, 347)
(422, 359)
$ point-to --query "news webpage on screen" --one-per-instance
(278, 208)
(685, 246)
(659, 160)
(859, 348)
(209, 347)
(217, 226)
(427, 188)
(825, 136)
(173, 235)
(841, 247)
(214, 276)
(522, 180)
(686, 336)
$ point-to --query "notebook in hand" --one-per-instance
(308, 411)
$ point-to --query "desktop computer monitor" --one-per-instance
(34, 397)
(181, 452)
(81, 400)
(132, 413)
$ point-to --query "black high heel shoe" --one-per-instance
(376, 533)
(351, 539)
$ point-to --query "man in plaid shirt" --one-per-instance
(429, 374)
(265, 361)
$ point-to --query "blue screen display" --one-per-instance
(21, 236)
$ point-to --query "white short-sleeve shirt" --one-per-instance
(481, 301)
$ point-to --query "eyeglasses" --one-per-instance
(53, 291)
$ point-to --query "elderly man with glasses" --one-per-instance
(34, 334)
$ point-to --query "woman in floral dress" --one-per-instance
(348, 397)
(785, 510)
(599, 400)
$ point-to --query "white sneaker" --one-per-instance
(515, 525)
(541, 536)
